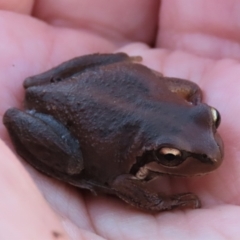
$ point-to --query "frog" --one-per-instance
(107, 123)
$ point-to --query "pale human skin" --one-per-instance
(197, 41)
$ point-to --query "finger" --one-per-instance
(24, 212)
(119, 21)
(25, 6)
(203, 27)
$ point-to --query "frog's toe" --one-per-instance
(44, 142)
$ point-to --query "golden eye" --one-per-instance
(170, 157)
(172, 151)
(216, 117)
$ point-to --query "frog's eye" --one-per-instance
(169, 156)
(216, 117)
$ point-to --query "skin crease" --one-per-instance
(202, 47)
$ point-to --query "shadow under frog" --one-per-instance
(109, 124)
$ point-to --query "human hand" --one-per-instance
(196, 41)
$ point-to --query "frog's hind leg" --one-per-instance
(45, 143)
(77, 65)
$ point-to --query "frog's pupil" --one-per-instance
(169, 157)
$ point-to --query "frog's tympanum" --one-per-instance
(109, 124)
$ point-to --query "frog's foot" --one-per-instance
(44, 142)
(135, 192)
(183, 200)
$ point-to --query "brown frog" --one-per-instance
(109, 124)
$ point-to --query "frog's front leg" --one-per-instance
(44, 143)
(75, 66)
(135, 192)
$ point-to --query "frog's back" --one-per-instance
(104, 97)
(122, 82)
(104, 108)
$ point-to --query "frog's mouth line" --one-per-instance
(179, 175)
(153, 174)
(185, 164)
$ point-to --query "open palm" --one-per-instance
(189, 42)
